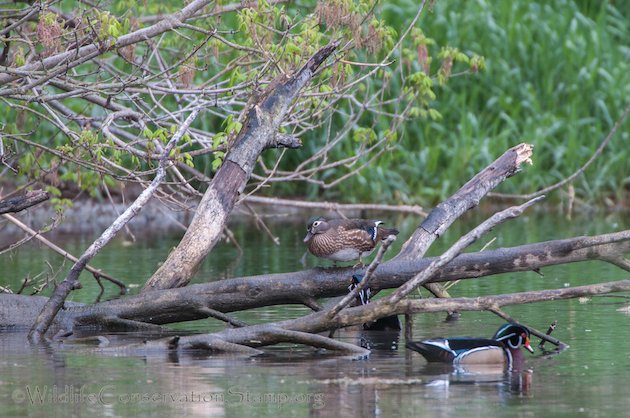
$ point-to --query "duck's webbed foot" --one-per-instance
(359, 264)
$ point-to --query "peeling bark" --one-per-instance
(25, 201)
(260, 131)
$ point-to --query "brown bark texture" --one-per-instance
(260, 131)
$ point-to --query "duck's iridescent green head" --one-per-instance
(514, 336)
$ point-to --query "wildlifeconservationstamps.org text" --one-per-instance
(107, 395)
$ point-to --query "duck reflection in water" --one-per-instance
(448, 379)
(383, 333)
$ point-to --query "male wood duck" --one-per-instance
(503, 348)
(388, 323)
(345, 239)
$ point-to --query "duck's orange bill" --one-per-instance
(527, 346)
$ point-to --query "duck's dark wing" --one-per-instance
(436, 350)
(445, 350)
(459, 344)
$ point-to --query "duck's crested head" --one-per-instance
(514, 336)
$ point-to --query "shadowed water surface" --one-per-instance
(80, 379)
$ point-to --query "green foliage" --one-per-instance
(58, 203)
(109, 26)
(554, 74)
(48, 18)
(366, 135)
(19, 57)
(472, 79)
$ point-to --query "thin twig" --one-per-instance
(345, 301)
(579, 171)
(426, 275)
(34, 234)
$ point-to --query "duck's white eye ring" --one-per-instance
(316, 224)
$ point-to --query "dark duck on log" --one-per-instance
(503, 348)
(345, 239)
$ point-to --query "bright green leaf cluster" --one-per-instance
(366, 135)
(109, 26)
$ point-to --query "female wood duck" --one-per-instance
(503, 348)
(344, 239)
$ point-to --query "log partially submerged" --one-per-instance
(186, 304)
(405, 272)
(301, 287)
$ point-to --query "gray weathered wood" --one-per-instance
(259, 132)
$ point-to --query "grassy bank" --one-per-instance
(557, 76)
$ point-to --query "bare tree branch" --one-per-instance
(71, 282)
(467, 197)
(579, 171)
(74, 57)
(19, 203)
(259, 133)
(457, 248)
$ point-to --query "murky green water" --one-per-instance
(585, 380)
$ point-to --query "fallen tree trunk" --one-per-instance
(304, 287)
(267, 334)
(197, 240)
(406, 272)
(260, 335)
(330, 319)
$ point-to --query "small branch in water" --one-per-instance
(212, 313)
(208, 342)
(313, 304)
(551, 328)
(544, 337)
(318, 341)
